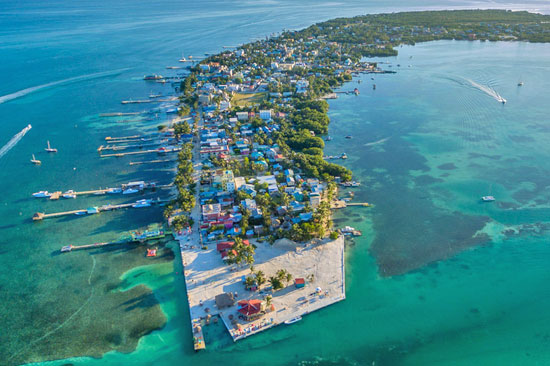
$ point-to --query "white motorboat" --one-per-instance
(41, 194)
(142, 203)
(293, 320)
(487, 198)
(69, 194)
(130, 191)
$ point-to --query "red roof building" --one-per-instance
(224, 245)
(250, 309)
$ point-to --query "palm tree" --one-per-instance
(249, 282)
(260, 278)
(288, 277)
(268, 300)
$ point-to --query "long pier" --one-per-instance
(93, 210)
(119, 114)
(176, 149)
(148, 101)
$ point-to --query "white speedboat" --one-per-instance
(130, 191)
(293, 320)
(487, 198)
(142, 203)
(69, 194)
(41, 194)
(114, 190)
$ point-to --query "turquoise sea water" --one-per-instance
(427, 144)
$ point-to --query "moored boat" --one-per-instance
(41, 194)
(50, 149)
(35, 161)
(69, 194)
(153, 77)
(293, 320)
(142, 203)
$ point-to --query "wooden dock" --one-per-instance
(176, 149)
(151, 162)
(152, 100)
(39, 216)
(119, 114)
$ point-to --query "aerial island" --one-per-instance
(255, 191)
(252, 202)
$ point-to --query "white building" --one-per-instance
(242, 116)
(265, 114)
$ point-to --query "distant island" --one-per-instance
(255, 190)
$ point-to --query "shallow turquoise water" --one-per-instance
(475, 308)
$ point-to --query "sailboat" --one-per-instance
(50, 149)
(34, 161)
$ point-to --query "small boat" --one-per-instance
(99, 193)
(69, 194)
(373, 86)
(66, 248)
(329, 138)
(80, 213)
(130, 191)
(41, 194)
(293, 320)
(142, 203)
(50, 149)
(487, 198)
(92, 210)
(520, 83)
(153, 77)
(343, 156)
(35, 161)
(114, 190)
(349, 137)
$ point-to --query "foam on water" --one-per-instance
(14, 140)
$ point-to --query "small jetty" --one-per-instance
(160, 150)
(119, 114)
(153, 232)
(126, 188)
(39, 216)
(148, 101)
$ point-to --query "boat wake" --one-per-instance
(381, 141)
(22, 93)
(487, 90)
(14, 140)
(490, 91)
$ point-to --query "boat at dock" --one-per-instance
(348, 230)
(50, 149)
(293, 320)
(142, 203)
(69, 194)
(114, 190)
(35, 161)
(153, 77)
(130, 191)
(41, 194)
(351, 184)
